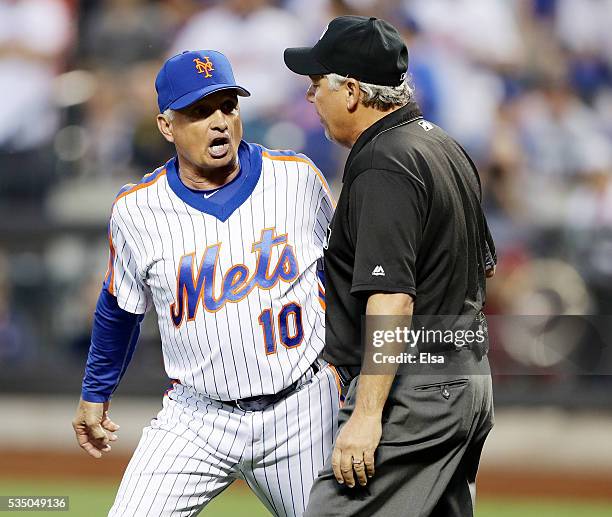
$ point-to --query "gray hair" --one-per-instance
(169, 114)
(382, 98)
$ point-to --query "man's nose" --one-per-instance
(219, 121)
(310, 94)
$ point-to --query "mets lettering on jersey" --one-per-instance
(233, 277)
(236, 283)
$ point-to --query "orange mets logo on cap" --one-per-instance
(204, 67)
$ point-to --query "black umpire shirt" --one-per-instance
(408, 220)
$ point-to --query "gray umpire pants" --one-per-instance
(434, 429)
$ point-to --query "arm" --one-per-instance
(373, 390)
(113, 340)
(359, 438)
(386, 214)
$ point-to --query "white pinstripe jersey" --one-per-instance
(236, 287)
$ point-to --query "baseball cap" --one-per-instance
(192, 75)
(367, 49)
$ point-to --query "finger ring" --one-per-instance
(357, 462)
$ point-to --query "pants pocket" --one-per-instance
(445, 388)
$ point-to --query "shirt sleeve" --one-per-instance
(123, 278)
(386, 214)
(325, 206)
(113, 341)
(324, 214)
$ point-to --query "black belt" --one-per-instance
(261, 402)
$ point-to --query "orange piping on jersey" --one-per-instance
(174, 382)
(339, 386)
(308, 162)
(111, 265)
(141, 185)
(111, 260)
(323, 305)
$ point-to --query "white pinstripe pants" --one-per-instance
(197, 447)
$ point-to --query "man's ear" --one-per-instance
(165, 127)
(353, 94)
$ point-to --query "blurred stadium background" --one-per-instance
(525, 85)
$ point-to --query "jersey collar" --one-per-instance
(249, 157)
(405, 114)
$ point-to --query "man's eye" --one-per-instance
(200, 112)
(228, 107)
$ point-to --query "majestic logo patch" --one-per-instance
(378, 271)
(427, 126)
(204, 67)
(327, 237)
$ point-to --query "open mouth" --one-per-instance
(219, 147)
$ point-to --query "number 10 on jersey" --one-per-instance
(290, 330)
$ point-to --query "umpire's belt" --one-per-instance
(262, 402)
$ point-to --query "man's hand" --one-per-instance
(353, 454)
(360, 436)
(93, 428)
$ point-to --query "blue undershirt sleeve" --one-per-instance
(113, 341)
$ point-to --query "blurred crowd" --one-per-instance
(524, 85)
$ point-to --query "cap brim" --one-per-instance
(189, 98)
(301, 60)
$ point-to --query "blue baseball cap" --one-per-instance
(192, 75)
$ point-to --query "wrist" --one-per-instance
(90, 396)
(368, 412)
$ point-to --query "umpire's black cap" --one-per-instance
(367, 49)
